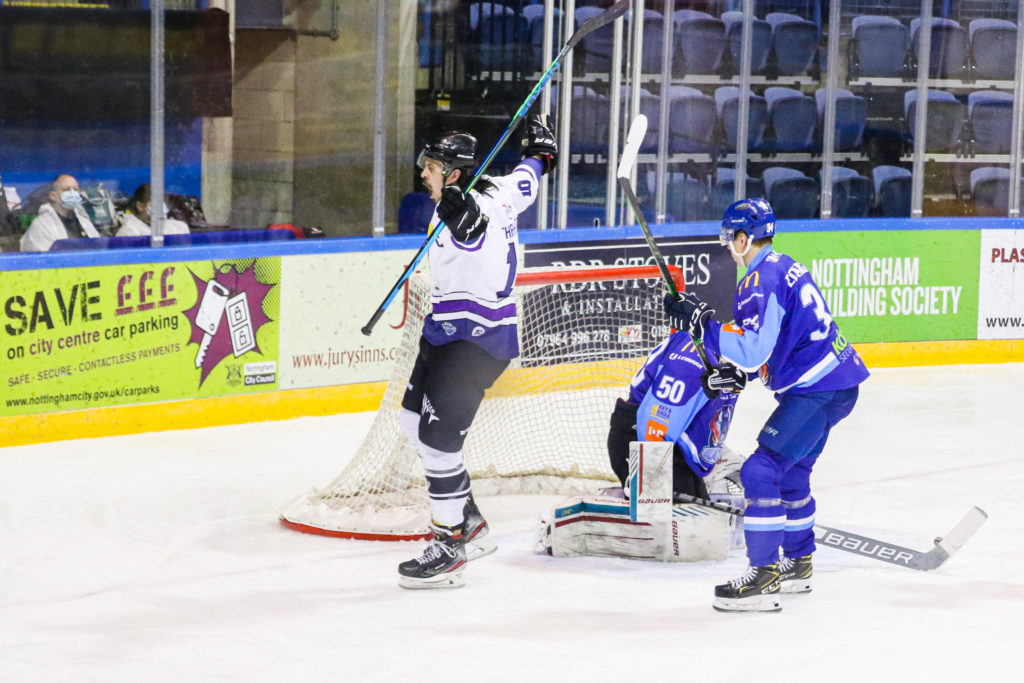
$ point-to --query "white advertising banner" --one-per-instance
(326, 299)
(1001, 285)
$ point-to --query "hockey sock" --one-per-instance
(765, 518)
(447, 484)
(410, 425)
(798, 539)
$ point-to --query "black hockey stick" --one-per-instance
(588, 26)
(637, 131)
(922, 560)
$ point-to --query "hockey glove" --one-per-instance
(724, 378)
(461, 214)
(688, 312)
(540, 141)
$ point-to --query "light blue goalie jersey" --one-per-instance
(784, 330)
(472, 298)
(674, 407)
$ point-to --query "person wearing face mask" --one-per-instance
(62, 218)
(137, 217)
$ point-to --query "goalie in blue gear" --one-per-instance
(786, 333)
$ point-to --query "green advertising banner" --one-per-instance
(915, 285)
(111, 335)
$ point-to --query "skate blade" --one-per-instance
(759, 603)
(794, 587)
(480, 547)
(440, 581)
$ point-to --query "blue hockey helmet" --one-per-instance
(753, 216)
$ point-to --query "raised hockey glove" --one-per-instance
(725, 378)
(687, 312)
(461, 214)
(540, 141)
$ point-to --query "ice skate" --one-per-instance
(756, 591)
(476, 528)
(795, 574)
(440, 565)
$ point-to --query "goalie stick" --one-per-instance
(589, 26)
(637, 131)
(922, 560)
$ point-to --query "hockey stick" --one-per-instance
(922, 560)
(588, 26)
(637, 131)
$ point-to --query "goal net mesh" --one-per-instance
(543, 426)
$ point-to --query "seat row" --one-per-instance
(882, 46)
(781, 120)
(983, 125)
(702, 43)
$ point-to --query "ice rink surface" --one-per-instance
(158, 557)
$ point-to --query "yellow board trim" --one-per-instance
(354, 398)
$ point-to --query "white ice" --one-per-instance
(158, 557)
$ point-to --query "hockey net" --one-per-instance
(543, 426)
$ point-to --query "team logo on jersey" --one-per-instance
(661, 412)
(478, 331)
(448, 328)
(509, 211)
(655, 431)
(720, 426)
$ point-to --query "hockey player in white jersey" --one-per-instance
(470, 335)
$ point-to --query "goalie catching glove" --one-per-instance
(461, 214)
(540, 141)
(725, 378)
(687, 312)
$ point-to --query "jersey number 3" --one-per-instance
(809, 296)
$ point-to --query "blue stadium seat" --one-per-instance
(653, 43)
(892, 190)
(990, 114)
(596, 47)
(851, 117)
(852, 193)
(650, 106)
(699, 40)
(993, 48)
(727, 103)
(687, 198)
(761, 45)
(990, 189)
(945, 119)
(499, 33)
(878, 47)
(794, 42)
(793, 117)
(725, 187)
(589, 125)
(691, 120)
(414, 212)
(949, 47)
(534, 15)
(791, 193)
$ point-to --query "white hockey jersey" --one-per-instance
(472, 298)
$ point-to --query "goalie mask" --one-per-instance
(453, 150)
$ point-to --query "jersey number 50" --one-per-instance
(670, 389)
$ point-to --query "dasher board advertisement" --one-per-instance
(136, 333)
(1001, 298)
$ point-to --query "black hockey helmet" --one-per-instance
(454, 149)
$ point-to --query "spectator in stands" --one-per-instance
(62, 218)
(137, 216)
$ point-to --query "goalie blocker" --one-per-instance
(646, 525)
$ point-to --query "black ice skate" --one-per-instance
(440, 565)
(476, 528)
(795, 574)
(756, 591)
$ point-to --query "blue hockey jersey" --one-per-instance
(674, 407)
(784, 330)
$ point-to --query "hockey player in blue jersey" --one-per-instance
(673, 398)
(782, 329)
(470, 335)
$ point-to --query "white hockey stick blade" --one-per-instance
(637, 131)
(955, 539)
